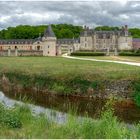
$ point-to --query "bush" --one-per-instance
(88, 54)
(129, 54)
(9, 118)
(136, 94)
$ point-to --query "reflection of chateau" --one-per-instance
(49, 45)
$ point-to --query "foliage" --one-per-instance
(60, 30)
(135, 32)
(106, 28)
(39, 127)
(31, 32)
(136, 94)
(87, 54)
(129, 53)
(9, 118)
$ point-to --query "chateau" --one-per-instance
(49, 45)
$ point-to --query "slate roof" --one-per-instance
(136, 39)
(90, 32)
(49, 32)
(17, 41)
(67, 41)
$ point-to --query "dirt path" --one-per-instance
(112, 61)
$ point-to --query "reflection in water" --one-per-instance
(56, 107)
(53, 115)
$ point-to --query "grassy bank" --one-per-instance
(65, 76)
(66, 68)
(26, 125)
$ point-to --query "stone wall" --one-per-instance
(21, 53)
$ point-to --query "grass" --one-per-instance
(64, 76)
(40, 127)
(115, 58)
(63, 68)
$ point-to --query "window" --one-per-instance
(38, 48)
(48, 46)
(48, 52)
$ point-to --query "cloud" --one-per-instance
(91, 13)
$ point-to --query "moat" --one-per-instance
(59, 106)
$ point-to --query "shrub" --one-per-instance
(61, 89)
(88, 54)
(129, 54)
(136, 95)
(9, 118)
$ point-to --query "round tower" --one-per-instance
(49, 42)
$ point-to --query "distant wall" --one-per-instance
(136, 44)
(22, 53)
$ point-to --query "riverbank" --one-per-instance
(61, 76)
(19, 122)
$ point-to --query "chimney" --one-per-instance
(126, 27)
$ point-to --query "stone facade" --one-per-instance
(105, 40)
(49, 45)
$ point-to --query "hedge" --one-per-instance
(88, 54)
(129, 54)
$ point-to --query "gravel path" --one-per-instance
(90, 59)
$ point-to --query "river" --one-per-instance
(57, 107)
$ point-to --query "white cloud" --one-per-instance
(92, 13)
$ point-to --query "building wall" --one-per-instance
(125, 43)
(13, 47)
(21, 53)
(136, 44)
(49, 46)
(86, 43)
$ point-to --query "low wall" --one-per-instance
(21, 53)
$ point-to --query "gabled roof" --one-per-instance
(49, 32)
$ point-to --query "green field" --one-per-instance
(66, 68)
(115, 58)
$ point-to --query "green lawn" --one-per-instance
(63, 67)
(114, 58)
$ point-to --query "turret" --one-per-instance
(49, 42)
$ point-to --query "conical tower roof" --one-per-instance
(49, 32)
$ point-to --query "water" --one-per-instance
(56, 107)
(52, 115)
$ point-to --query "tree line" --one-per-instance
(60, 30)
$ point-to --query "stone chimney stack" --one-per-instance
(126, 30)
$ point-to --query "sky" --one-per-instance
(90, 13)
